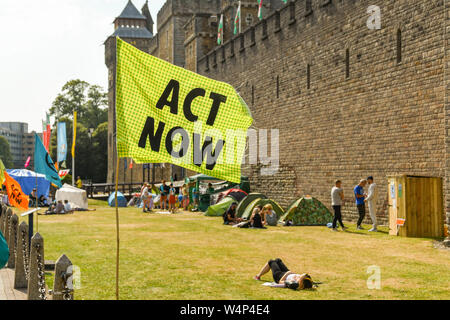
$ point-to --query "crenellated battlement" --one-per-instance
(304, 12)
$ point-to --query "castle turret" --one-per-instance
(148, 17)
(130, 26)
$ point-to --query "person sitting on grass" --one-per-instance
(59, 209)
(256, 219)
(269, 216)
(68, 207)
(285, 278)
(229, 217)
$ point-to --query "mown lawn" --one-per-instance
(189, 256)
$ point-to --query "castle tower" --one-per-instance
(148, 16)
(130, 26)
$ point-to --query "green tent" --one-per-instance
(4, 251)
(219, 209)
(246, 201)
(249, 209)
(308, 211)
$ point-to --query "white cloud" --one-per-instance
(45, 43)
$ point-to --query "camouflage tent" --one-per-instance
(307, 211)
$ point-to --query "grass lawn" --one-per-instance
(190, 256)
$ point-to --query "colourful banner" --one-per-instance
(2, 174)
(167, 114)
(43, 163)
(63, 173)
(16, 197)
(62, 142)
(74, 133)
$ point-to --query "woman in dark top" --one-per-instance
(256, 219)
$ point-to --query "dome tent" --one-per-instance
(247, 213)
(29, 180)
(121, 200)
(307, 211)
(75, 196)
(217, 210)
(246, 201)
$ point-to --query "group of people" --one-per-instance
(261, 217)
(168, 197)
(361, 198)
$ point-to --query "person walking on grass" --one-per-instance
(372, 202)
(360, 204)
(163, 193)
(172, 198)
(337, 198)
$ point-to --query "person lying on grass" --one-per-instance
(284, 277)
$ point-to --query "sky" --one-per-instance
(45, 43)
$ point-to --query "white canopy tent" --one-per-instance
(76, 197)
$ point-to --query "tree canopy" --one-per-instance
(5, 153)
(90, 102)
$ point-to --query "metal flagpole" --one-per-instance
(117, 230)
(240, 17)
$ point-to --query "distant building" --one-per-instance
(21, 142)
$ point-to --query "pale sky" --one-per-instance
(45, 43)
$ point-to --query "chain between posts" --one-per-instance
(41, 273)
(25, 256)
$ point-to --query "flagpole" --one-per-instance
(117, 230)
(240, 18)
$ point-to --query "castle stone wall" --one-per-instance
(385, 118)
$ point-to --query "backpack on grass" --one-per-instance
(4, 251)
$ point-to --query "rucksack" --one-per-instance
(4, 251)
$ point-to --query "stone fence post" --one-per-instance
(13, 224)
(2, 219)
(63, 286)
(22, 258)
(36, 282)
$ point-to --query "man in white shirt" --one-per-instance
(372, 203)
(337, 198)
(67, 207)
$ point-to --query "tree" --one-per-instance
(90, 102)
(72, 98)
(100, 145)
(5, 153)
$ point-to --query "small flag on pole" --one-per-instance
(2, 170)
(27, 163)
(260, 6)
(16, 196)
(74, 133)
(220, 31)
(237, 20)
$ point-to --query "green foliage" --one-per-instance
(90, 102)
(5, 153)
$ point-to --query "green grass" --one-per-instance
(189, 256)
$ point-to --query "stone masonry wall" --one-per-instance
(386, 117)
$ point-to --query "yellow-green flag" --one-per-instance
(167, 114)
(2, 174)
(74, 141)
